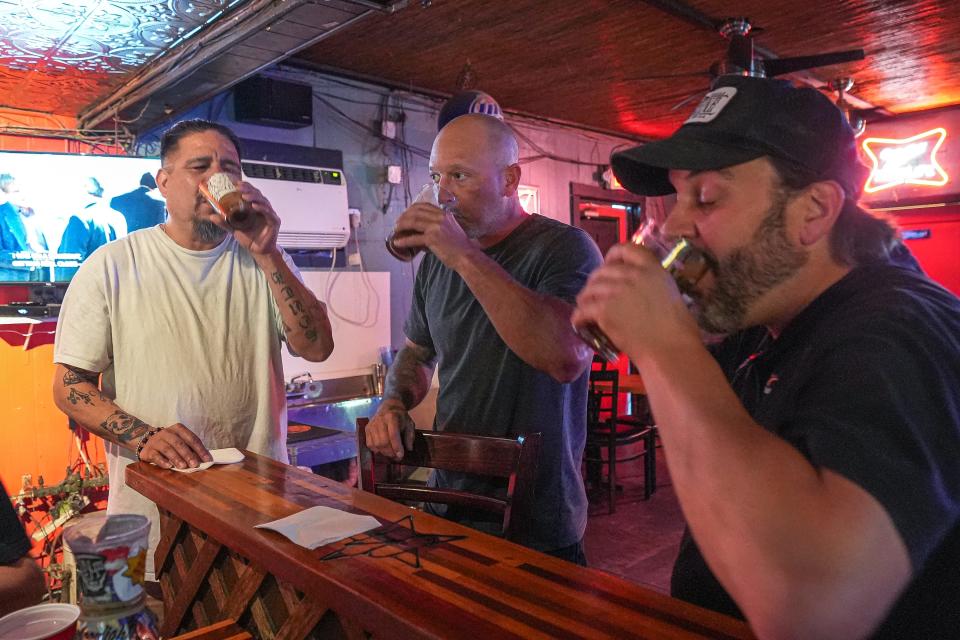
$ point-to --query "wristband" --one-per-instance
(152, 431)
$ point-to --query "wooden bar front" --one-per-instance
(444, 581)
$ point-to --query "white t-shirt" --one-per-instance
(179, 336)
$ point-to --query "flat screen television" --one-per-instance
(57, 208)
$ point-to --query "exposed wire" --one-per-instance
(97, 139)
(146, 103)
(334, 96)
(369, 319)
(370, 130)
(544, 154)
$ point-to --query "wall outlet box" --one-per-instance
(356, 221)
(394, 174)
(388, 129)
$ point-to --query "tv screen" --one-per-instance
(56, 209)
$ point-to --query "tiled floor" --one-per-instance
(639, 542)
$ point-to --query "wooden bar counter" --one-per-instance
(443, 581)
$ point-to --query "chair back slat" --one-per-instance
(441, 496)
(485, 456)
(514, 459)
(604, 393)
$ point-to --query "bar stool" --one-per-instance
(607, 431)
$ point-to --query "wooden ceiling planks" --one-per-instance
(583, 60)
(913, 48)
(567, 60)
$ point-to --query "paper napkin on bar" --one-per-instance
(317, 526)
(220, 456)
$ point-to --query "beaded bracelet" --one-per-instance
(152, 431)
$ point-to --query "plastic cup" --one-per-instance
(111, 556)
(42, 622)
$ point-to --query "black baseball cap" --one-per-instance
(744, 118)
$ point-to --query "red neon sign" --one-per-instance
(905, 161)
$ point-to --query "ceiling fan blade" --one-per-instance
(779, 66)
(874, 113)
(671, 76)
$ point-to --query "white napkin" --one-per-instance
(220, 456)
(317, 526)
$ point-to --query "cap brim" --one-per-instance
(644, 169)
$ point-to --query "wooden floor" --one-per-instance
(639, 542)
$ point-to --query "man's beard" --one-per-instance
(206, 232)
(751, 271)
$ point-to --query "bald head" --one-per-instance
(475, 160)
(485, 137)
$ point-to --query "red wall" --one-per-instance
(933, 235)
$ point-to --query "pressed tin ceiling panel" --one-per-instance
(58, 55)
(141, 61)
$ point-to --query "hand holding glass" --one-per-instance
(684, 262)
(430, 194)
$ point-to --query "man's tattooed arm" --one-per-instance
(74, 376)
(125, 426)
(77, 394)
(305, 321)
(408, 379)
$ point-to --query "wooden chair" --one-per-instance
(512, 459)
(607, 431)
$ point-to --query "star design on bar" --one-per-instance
(392, 540)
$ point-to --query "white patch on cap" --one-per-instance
(711, 105)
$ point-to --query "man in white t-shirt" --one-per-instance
(182, 324)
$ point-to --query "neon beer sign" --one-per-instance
(905, 161)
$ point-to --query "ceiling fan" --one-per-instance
(741, 59)
(856, 116)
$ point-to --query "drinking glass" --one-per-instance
(685, 263)
(431, 194)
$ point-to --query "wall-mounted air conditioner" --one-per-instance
(307, 189)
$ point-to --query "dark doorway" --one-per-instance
(609, 216)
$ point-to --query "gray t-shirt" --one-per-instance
(180, 336)
(486, 389)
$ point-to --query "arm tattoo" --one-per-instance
(79, 396)
(304, 320)
(405, 377)
(124, 426)
(76, 376)
(296, 307)
(305, 315)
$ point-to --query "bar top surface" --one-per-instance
(467, 583)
